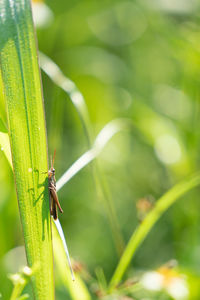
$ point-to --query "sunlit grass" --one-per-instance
(138, 73)
(25, 117)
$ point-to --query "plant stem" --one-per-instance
(25, 114)
(141, 232)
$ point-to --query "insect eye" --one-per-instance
(53, 170)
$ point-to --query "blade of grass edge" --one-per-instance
(141, 232)
(23, 95)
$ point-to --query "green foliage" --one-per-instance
(141, 232)
(23, 98)
(133, 61)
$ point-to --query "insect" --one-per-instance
(54, 202)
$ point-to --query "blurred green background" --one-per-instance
(138, 60)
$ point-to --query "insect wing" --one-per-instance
(53, 209)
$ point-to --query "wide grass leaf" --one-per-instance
(25, 115)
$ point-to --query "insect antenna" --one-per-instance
(51, 161)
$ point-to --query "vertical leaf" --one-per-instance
(25, 114)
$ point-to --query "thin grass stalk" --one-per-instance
(153, 216)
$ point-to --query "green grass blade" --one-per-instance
(67, 85)
(61, 234)
(77, 288)
(141, 232)
(23, 97)
(104, 136)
